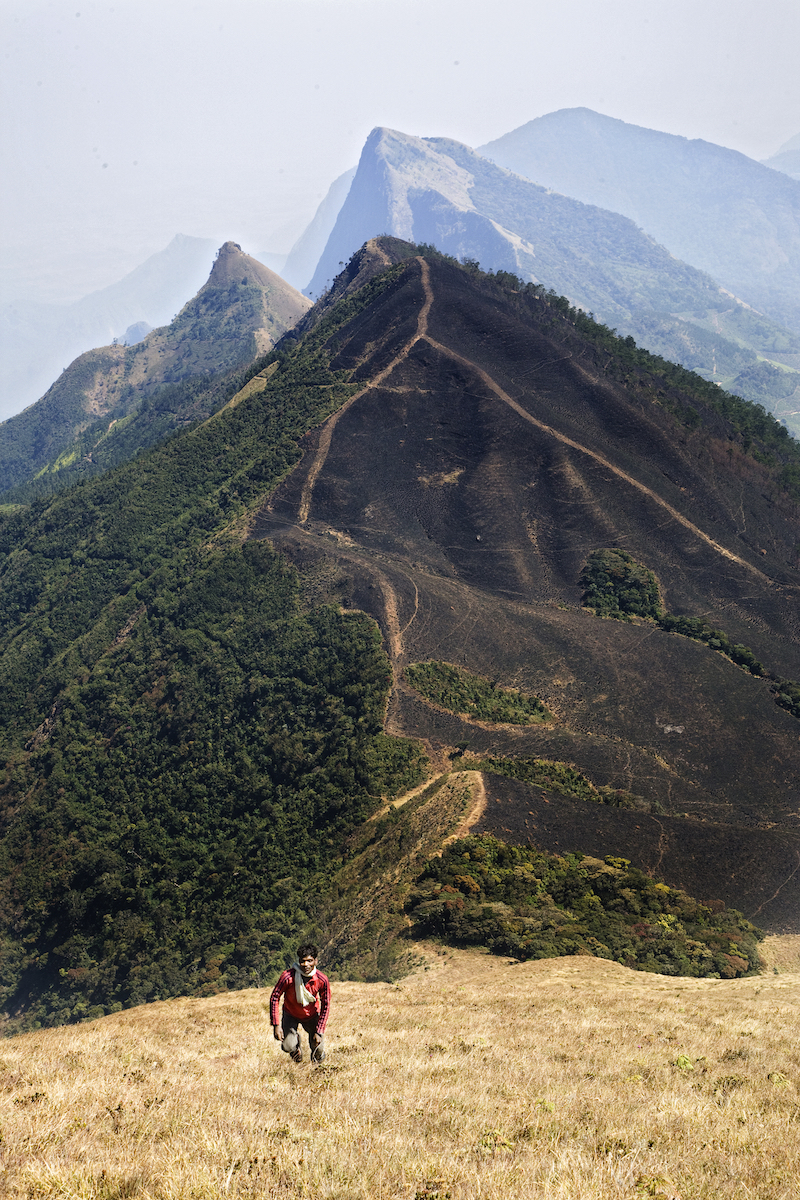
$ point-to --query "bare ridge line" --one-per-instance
(327, 432)
(568, 441)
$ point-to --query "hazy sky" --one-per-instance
(124, 123)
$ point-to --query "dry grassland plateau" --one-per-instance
(473, 1077)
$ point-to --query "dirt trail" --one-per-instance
(477, 808)
(568, 441)
(476, 811)
(778, 890)
(378, 250)
(393, 631)
(331, 423)
(420, 334)
(399, 801)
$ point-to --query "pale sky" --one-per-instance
(124, 123)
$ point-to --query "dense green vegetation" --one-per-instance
(186, 748)
(103, 445)
(190, 788)
(523, 902)
(616, 585)
(562, 778)
(461, 692)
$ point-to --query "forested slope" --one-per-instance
(113, 402)
(185, 741)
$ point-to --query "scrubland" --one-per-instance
(473, 1077)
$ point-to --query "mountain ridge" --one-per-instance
(38, 339)
(706, 194)
(238, 314)
(438, 191)
(204, 652)
(786, 158)
(291, 523)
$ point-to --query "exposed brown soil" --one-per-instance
(458, 495)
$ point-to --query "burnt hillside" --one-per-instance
(492, 447)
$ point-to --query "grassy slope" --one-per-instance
(470, 1079)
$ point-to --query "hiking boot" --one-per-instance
(296, 1055)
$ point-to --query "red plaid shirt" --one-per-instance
(319, 987)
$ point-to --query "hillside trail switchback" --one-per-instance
(598, 458)
(421, 334)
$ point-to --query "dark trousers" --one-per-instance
(291, 1026)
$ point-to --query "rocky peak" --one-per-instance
(232, 266)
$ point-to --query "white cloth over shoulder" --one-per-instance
(302, 994)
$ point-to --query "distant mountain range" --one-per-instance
(787, 159)
(734, 219)
(302, 260)
(39, 340)
(113, 401)
(440, 191)
(713, 207)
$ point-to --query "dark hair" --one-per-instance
(308, 949)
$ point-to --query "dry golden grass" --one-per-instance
(472, 1078)
(781, 952)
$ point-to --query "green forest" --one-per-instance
(461, 692)
(523, 902)
(190, 744)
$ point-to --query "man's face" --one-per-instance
(307, 964)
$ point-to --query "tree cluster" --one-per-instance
(529, 904)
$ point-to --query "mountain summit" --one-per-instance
(438, 191)
(37, 339)
(238, 314)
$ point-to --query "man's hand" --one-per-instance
(277, 1033)
(315, 1040)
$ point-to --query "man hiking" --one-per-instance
(306, 1001)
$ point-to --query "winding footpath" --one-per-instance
(421, 334)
